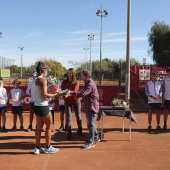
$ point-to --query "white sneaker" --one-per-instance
(38, 151)
(97, 140)
(51, 150)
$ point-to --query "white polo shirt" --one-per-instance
(3, 97)
(166, 88)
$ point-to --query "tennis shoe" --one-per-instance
(51, 150)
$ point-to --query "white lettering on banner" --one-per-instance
(100, 94)
(161, 75)
(27, 100)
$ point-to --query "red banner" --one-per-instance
(106, 95)
(141, 74)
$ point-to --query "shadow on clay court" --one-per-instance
(153, 131)
(62, 136)
(23, 146)
(77, 141)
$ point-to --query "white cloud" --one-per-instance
(106, 35)
(81, 32)
(32, 34)
(139, 38)
(142, 38)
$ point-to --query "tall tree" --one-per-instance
(159, 43)
(74, 64)
(14, 68)
(56, 68)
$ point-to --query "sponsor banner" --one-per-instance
(106, 95)
(141, 74)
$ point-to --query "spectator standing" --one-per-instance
(30, 92)
(91, 106)
(166, 97)
(153, 90)
(3, 105)
(16, 95)
(62, 108)
(71, 83)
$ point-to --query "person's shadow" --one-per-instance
(153, 131)
(77, 141)
(8, 147)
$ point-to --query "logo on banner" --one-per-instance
(144, 76)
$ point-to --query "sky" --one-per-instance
(59, 29)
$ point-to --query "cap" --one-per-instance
(45, 67)
(154, 72)
(34, 74)
(168, 69)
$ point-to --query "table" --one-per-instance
(115, 111)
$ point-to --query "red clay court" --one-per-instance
(144, 152)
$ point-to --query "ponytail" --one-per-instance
(41, 66)
(38, 68)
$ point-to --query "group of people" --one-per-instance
(16, 95)
(42, 105)
(158, 98)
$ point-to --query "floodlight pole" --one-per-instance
(85, 55)
(21, 49)
(102, 13)
(0, 56)
(127, 87)
(90, 37)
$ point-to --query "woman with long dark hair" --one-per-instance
(42, 111)
(71, 83)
